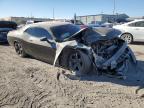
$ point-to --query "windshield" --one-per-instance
(64, 31)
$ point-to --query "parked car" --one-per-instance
(33, 21)
(5, 27)
(100, 27)
(68, 46)
(132, 31)
(99, 24)
(78, 23)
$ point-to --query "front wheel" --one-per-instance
(79, 63)
(127, 37)
(19, 49)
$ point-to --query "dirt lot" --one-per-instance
(29, 83)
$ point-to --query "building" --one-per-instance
(102, 18)
(23, 20)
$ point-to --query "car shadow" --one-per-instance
(138, 43)
(4, 44)
(135, 77)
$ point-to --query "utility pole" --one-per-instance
(31, 15)
(114, 7)
(102, 12)
(53, 14)
(75, 18)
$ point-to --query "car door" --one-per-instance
(39, 49)
(137, 30)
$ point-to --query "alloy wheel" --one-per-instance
(127, 38)
(18, 49)
(75, 62)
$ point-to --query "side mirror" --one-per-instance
(48, 40)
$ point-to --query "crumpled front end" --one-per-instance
(112, 55)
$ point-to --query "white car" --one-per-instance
(132, 31)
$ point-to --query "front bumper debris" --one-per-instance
(118, 62)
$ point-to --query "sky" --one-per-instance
(67, 8)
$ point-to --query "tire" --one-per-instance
(79, 63)
(19, 49)
(127, 38)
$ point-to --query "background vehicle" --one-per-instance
(32, 21)
(97, 24)
(65, 44)
(5, 27)
(78, 23)
(101, 28)
(132, 31)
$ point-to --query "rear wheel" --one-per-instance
(79, 63)
(19, 49)
(127, 37)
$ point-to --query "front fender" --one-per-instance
(74, 44)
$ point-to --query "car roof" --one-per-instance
(47, 24)
(139, 20)
(136, 20)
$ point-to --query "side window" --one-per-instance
(38, 32)
(140, 24)
(132, 24)
(137, 24)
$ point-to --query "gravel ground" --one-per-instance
(29, 83)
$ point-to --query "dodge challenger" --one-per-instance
(66, 45)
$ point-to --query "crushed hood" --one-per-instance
(90, 36)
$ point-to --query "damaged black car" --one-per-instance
(68, 46)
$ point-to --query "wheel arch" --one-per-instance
(15, 41)
(65, 53)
